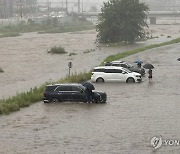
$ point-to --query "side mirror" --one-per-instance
(124, 72)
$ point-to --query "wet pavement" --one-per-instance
(133, 114)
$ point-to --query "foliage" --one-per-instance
(36, 94)
(57, 50)
(76, 78)
(49, 26)
(9, 35)
(121, 21)
(131, 52)
(21, 100)
(72, 53)
(1, 70)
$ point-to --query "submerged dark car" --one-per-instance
(126, 65)
(71, 92)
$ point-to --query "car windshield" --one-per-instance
(126, 70)
(129, 65)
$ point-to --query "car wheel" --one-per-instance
(46, 101)
(94, 101)
(103, 101)
(54, 100)
(85, 101)
(99, 80)
(130, 80)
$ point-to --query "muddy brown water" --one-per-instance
(27, 64)
(133, 114)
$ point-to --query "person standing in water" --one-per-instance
(150, 75)
(139, 65)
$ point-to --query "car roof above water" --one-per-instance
(108, 67)
(118, 61)
(53, 86)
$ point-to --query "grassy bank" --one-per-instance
(16, 30)
(36, 94)
(131, 52)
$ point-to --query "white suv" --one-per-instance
(114, 74)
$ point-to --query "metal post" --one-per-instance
(66, 6)
(21, 13)
(62, 6)
(79, 6)
(70, 66)
(48, 7)
(4, 9)
(69, 71)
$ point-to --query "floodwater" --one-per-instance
(134, 113)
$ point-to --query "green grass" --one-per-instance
(76, 78)
(57, 50)
(21, 100)
(15, 30)
(131, 52)
(36, 94)
(9, 34)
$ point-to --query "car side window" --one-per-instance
(117, 71)
(115, 64)
(108, 71)
(76, 89)
(50, 88)
(124, 65)
(64, 88)
(99, 70)
(113, 71)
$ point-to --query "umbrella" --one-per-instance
(88, 85)
(178, 59)
(138, 61)
(148, 66)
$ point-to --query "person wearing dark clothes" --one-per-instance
(139, 65)
(150, 75)
(89, 95)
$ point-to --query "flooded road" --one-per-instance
(133, 114)
(26, 63)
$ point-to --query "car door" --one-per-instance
(64, 93)
(78, 94)
(109, 75)
(120, 76)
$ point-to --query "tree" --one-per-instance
(122, 21)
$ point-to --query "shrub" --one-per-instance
(72, 53)
(57, 50)
(1, 70)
